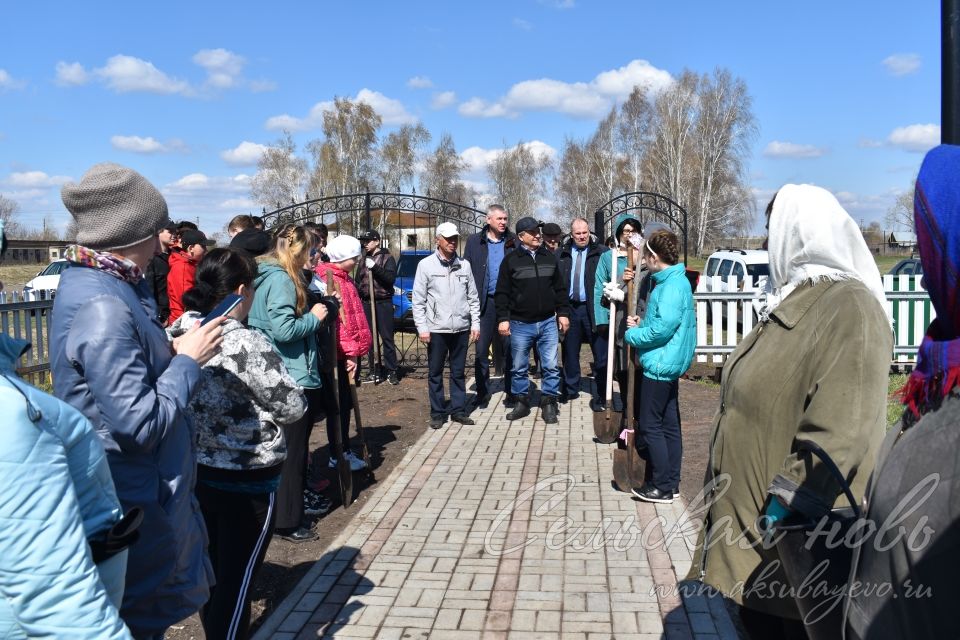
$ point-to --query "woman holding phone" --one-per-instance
(244, 399)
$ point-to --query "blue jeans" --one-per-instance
(543, 336)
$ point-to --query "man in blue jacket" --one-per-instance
(485, 251)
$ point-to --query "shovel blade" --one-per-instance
(605, 425)
(621, 470)
(346, 481)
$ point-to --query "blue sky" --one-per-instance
(846, 95)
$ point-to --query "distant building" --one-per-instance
(902, 240)
(34, 251)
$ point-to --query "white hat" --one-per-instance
(447, 230)
(343, 248)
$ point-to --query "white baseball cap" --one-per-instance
(447, 230)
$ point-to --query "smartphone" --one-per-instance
(225, 307)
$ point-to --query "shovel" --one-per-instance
(628, 467)
(364, 452)
(343, 465)
(606, 422)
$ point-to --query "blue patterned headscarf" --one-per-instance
(936, 211)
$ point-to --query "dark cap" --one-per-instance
(368, 235)
(190, 237)
(527, 224)
(552, 229)
(170, 226)
(253, 241)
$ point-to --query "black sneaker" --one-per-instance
(393, 378)
(296, 534)
(510, 401)
(315, 504)
(649, 493)
(437, 421)
(462, 419)
(676, 493)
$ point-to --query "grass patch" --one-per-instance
(14, 276)
(894, 408)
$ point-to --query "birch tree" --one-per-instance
(519, 178)
(398, 156)
(281, 175)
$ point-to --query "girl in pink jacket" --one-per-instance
(353, 334)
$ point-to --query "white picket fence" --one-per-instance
(722, 322)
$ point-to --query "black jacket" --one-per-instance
(384, 275)
(156, 278)
(566, 255)
(530, 290)
(475, 252)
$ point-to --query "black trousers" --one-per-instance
(489, 333)
(760, 626)
(344, 399)
(580, 332)
(239, 526)
(293, 476)
(659, 422)
(441, 347)
(388, 349)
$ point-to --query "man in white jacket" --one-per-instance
(446, 310)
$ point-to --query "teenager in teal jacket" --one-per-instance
(665, 342)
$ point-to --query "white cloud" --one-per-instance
(777, 149)
(126, 74)
(148, 145)
(244, 154)
(235, 204)
(71, 74)
(477, 158)
(915, 137)
(224, 68)
(420, 82)
(35, 180)
(391, 111)
(522, 24)
(579, 99)
(8, 82)
(902, 64)
(869, 143)
(211, 199)
(443, 100)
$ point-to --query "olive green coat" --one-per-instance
(817, 371)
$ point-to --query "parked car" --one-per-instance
(46, 281)
(739, 263)
(403, 286)
(907, 267)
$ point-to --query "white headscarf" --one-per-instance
(812, 237)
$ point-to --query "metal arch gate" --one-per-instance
(651, 207)
(407, 222)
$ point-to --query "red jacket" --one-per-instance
(179, 280)
(354, 338)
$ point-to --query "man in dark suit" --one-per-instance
(578, 263)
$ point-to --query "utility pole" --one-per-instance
(950, 71)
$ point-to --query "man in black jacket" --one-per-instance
(157, 270)
(383, 266)
(578, 264)
(532, 306)
(485, 251)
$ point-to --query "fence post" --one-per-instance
(366, 211)
(598, 226)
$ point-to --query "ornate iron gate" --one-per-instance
(407, 223)
(651, 207)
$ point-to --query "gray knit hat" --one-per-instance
(115, 207)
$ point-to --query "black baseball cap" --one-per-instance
(190, 237)
(368, 235)
(527, 224)
(253, 241)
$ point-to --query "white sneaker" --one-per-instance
(356, 464)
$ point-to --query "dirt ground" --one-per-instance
(394, 419)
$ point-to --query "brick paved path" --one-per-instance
(474, 535)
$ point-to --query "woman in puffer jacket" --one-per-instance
(111, 360)
(665, 341)
(56, 494)
(244, 398)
